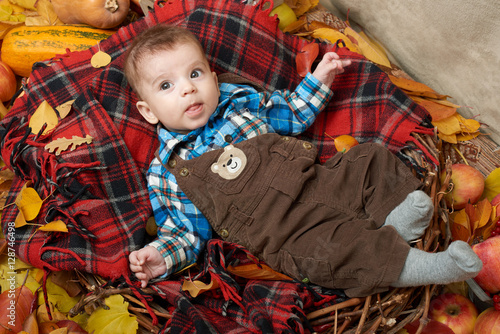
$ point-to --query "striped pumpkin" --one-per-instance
(24, 45)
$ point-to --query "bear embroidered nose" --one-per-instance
(230, 162)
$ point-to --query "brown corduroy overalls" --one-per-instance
(320, 223)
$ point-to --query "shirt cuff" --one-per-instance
(314, 91)
(173, 254)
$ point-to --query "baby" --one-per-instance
(228, 162)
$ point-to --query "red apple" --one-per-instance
(489, 252)
(455, 311)
(496, 202)
(468, 185)
(488, 322)
(432, 327)
(8, 83)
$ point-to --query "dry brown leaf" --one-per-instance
(436, 110)
(44, 114)
(257, 271)
(61, 144)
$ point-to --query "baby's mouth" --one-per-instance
(194, 108)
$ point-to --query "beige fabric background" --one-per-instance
(452, 46)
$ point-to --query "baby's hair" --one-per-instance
(157, 38)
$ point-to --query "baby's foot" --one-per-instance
(458, 263)
(412, 216)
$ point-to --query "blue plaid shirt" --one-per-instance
(242, 113)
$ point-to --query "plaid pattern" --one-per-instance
(242, 113)
(241, 305)
(102, 193)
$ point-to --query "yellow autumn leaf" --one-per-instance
(15, 8)
(448, 126)
(377, 46)
(367, 49)
(44, 114)
(460, 226)
(333, 36)
(29, 203)
(64, 108)
(28, 4)
(58, 297)
(100, 59)
(23, 273)
(468, 136)
(55, 226)
(468, 125)
(452, 139)
(300, 7)
(5, 12)
(483, 209)
(116, 319)
(20, 220)
(195, 288)
(492, 185)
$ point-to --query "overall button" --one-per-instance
(307, 145)
(228, 138)
(285, 138)
(184, 172)
(224, 233)
(172, 163)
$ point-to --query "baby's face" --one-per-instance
(178, 89)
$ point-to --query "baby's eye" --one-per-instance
(195, 74)
(165, 85)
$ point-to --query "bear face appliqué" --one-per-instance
(230, 163)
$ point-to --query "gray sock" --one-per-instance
(458, 263)
(412, 216)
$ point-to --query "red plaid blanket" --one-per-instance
(99, 190)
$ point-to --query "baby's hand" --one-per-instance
(329, 67)
(147, 263)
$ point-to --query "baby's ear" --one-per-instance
(146, 112)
